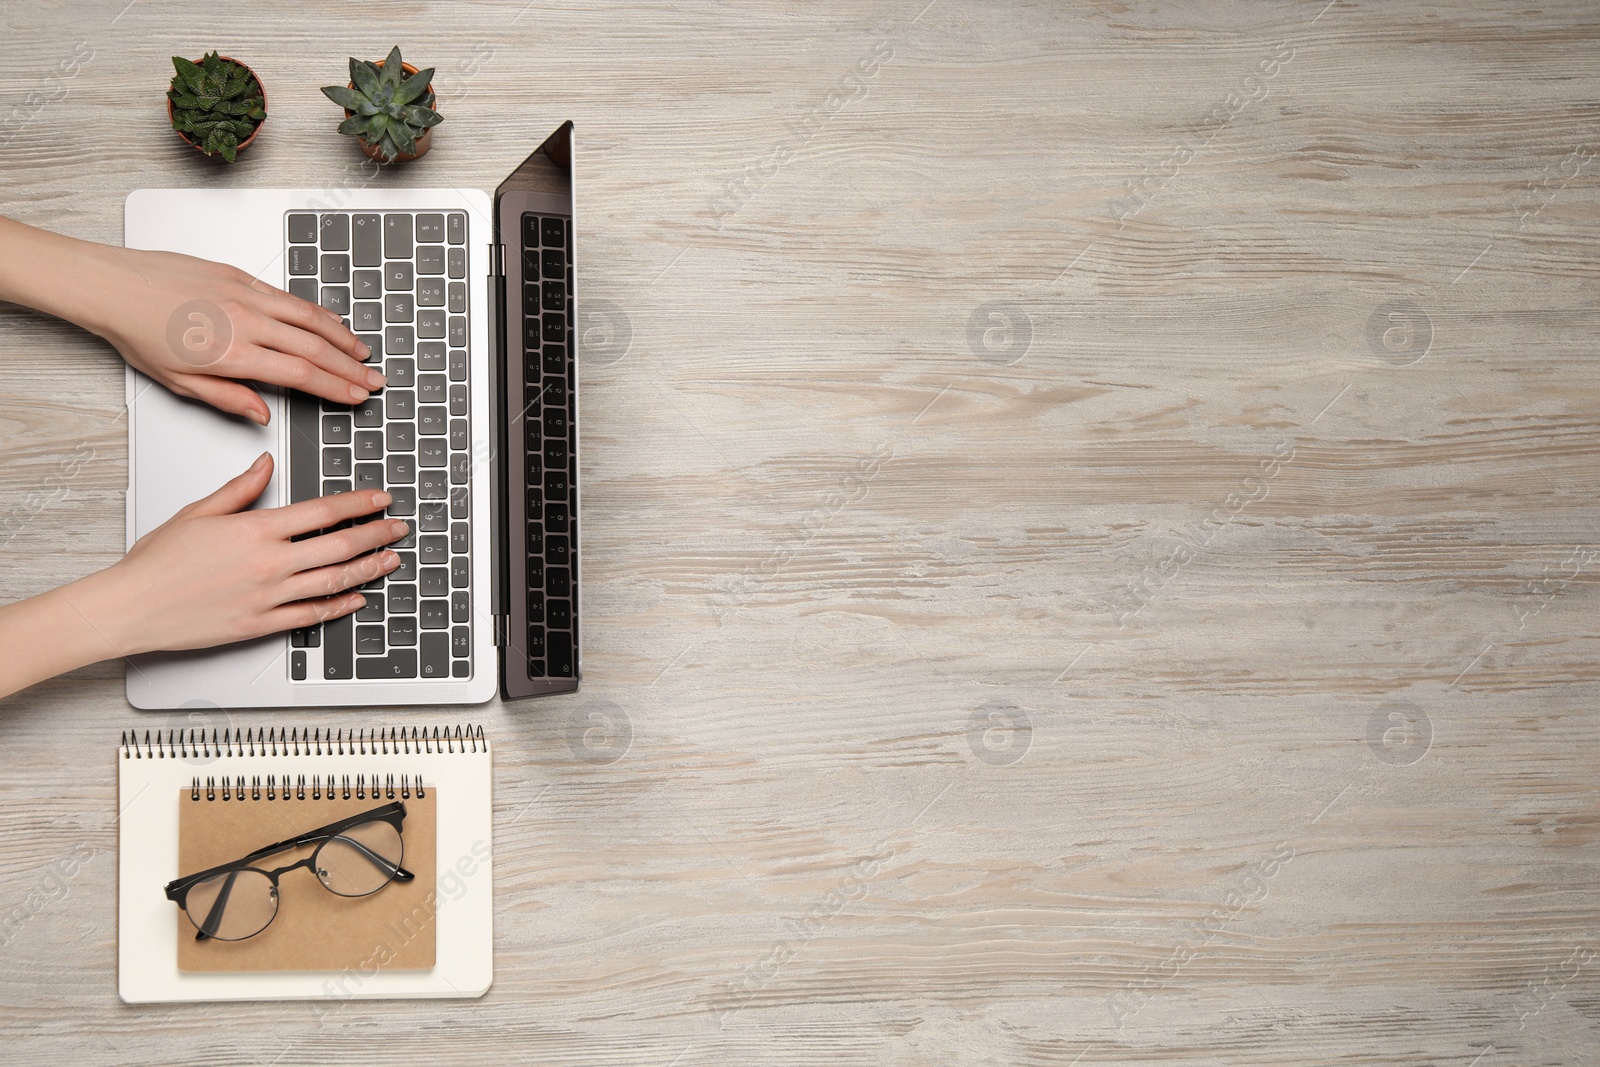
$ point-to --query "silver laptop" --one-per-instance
(468, 303)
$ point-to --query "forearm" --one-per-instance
(53, 633)
(61, 276)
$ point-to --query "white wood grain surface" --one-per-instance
(1090, 527)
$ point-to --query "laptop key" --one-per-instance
(456, 227)
(335, 232)
(372, 610)
(369, 476)
(458, 502)
(400, 436)
(558, 656)
(366, 245)
(553, 232)
(558, 614)
(430, 355)
(399, 307)
(430, 261)
(400, 372)
(456, 263)
(402, 631)
(435, 582)
(406, 571)
(369, 444)
(336, 298)
(431, 421)
(433, 485)
(369, 412)
(367, 284)
(558, 581)
(553, 295)
(336, 429)
(399, 340)
(460, 572)
(397, 277)
(435, 615)
(397, 236)
(434, 549)
(401, 403)
(430, 293)
(458, 364)
(338, 650)
(430, 323)
(366, 316)
(302, 260)
(460, 538)
(335, 268)
(374, 342)
(297, 667)
(401, 663)
(555, 359)
(431, 452)
(434, 516)
(435, 658)
(304, 288)
(336, 463)
(458, 298)
(460, 607)
(430, 228)
(402, 469)
(460, 641)
(458, 331)
(302, 229)
(369, 641)
(458, 434)
(402, 599)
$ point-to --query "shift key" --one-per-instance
(338, 648)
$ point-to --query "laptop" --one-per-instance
(468, 305)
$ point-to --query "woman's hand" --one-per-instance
(215, 573)
(192, 325)
(212, 574)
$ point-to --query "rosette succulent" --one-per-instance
(388, 110)
(216, 103)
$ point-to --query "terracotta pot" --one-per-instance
(424, 142)
(248, 141)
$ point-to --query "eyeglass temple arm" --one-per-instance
(208, 929)
(323, 833)
(383, 863)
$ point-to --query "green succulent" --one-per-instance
(218, 103)
(387, 110)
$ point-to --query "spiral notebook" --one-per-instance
(191, 802)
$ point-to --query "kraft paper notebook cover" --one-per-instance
(161, 825)
(314, 930)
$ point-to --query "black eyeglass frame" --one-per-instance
(393, 813)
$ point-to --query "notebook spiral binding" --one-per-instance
(335, 789)
(277, 741)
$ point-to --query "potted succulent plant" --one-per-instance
(388, 108)
(216, 104)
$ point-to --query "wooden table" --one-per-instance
(1091, 545)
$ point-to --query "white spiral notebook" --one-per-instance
(188, 800)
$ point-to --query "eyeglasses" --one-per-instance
(355, 857)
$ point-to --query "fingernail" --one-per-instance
(399, 527)
(259, 417)
(380, 499)
(261, 461)
(375, 379)
(390, 559)
(359, 600)
(357, 393)
(364, 348)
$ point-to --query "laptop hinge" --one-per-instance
(500, 623)
(498, 462)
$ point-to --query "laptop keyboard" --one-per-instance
(399, 279)
(548, 419)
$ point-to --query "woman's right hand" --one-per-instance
(215, 573)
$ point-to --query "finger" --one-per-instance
(299, 615)
(228, 396)
(327, 511)
(345, 544)
(314, 349)
(286, 307)
(275, 368)
(326, 581)
(238, 493)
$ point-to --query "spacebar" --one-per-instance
(305, 447)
